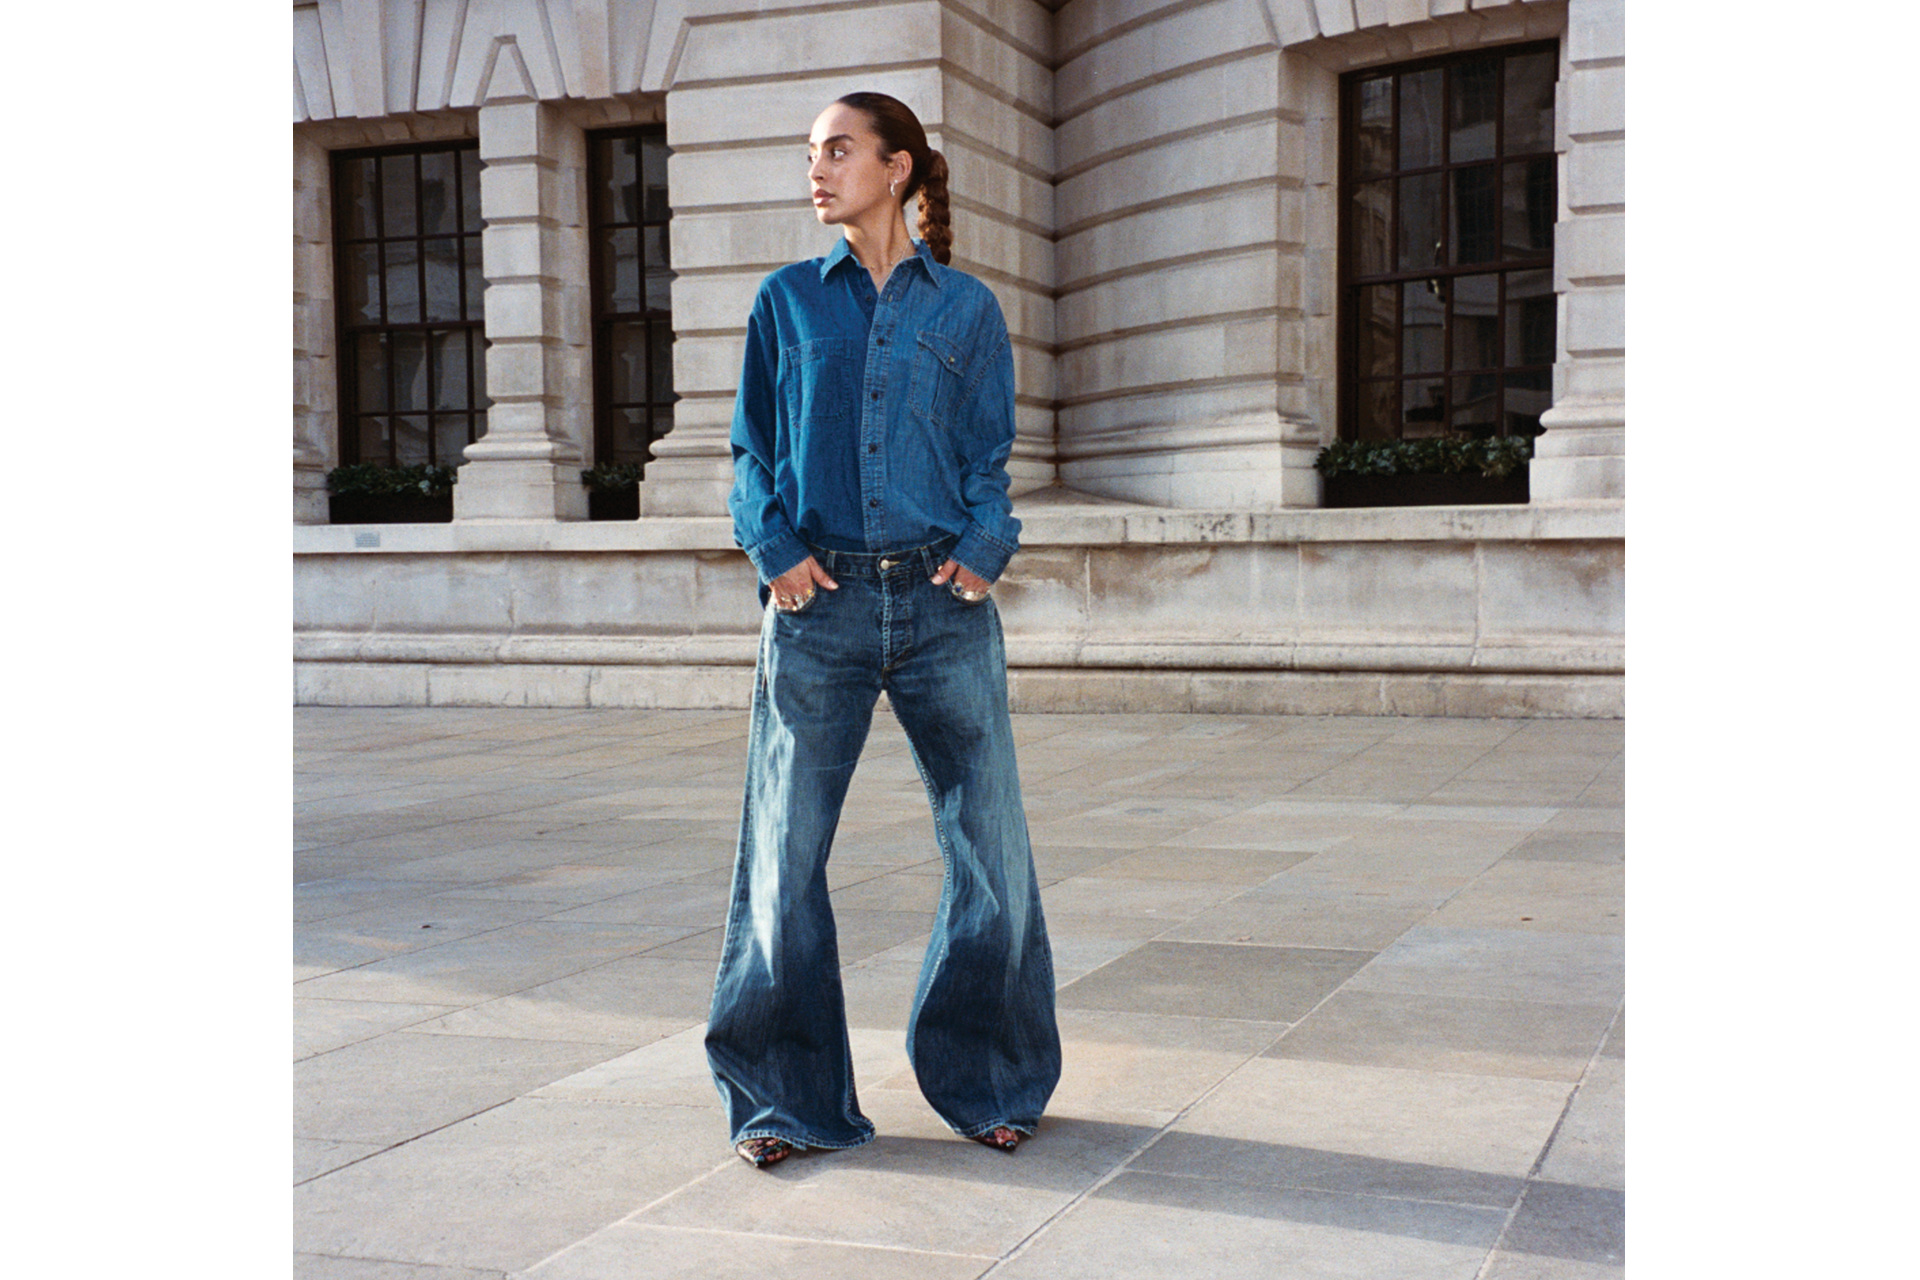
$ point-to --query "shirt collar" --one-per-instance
(842, 251)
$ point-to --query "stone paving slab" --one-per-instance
(1340, 997)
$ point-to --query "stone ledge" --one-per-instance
(1578, 655)
(1051, 518)
(1032, 690)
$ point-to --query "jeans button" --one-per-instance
(888, 564)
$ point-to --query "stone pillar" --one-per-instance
(1582, 456)
(315, 440)
(527, 465)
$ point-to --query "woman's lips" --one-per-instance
(821, 197)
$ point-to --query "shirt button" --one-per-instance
(881, 341)
(876, 395)
(873, 502)
(873, 448)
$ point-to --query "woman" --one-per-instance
(870, 443)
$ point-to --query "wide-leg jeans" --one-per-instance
(981, 1033)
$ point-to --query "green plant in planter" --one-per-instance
(373, 480)
(611, 477)
(1437, 455)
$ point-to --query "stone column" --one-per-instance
(314, 436)
(527, 465)
(1582, 456)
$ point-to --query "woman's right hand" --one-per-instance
(794, 589)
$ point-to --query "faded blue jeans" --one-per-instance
(981, 1033)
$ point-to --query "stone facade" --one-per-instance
(1150, 191)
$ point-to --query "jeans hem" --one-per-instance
(802, 1144)
(1025, 1130)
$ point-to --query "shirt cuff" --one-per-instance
(984, 556)
(777, 555)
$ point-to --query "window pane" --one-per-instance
(1423, 407)
(1423, 328)
(1377, 411)
(410, 441)
(1527, 397)
(1473, 107)
(439, 215)
(1528, 197)
(409, 371)
(474, 303)
(653, 177)
(1530, 317)
(616, 200)
(660, 360)
(659, 247)
(470, 190)
(659, 289)
(1476, 322)
(1530, 79)
(1420, 119)
(662, 421)
(1422, 221)
(370, 371)
(1370, 215)
(449, 439)
(356, 189)
(627, 362)
(1476, 405)
(621, 279)
(443, 279)
(633, 434)
(477, 362)
(363, 283)
(375, 444)
(397, 194)
(1378, 303)
(1373, 130)
(403, 282)
(450, 370)
(1474, 212)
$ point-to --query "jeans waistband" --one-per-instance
(868, 564)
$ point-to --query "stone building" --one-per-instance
(1225, 233)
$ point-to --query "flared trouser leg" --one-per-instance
(982, 1034)
(777, 1032)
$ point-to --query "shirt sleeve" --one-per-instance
(992, 534)
(760, 525)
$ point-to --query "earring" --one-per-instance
(893, 187)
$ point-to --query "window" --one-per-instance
(408, 289)
(632, 302)
(1448, 203)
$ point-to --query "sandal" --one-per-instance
(1000, 1138)
(761, 1152)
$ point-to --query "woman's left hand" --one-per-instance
(969, 580)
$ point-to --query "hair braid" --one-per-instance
(900, 130)
(936, 222)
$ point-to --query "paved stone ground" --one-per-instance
(1340, 997)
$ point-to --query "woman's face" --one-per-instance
(844, 168)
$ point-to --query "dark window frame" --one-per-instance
(654, 325)
(470, 414)
(1353, 283)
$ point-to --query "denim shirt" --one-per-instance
(872, 422)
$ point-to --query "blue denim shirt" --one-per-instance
(874, 422)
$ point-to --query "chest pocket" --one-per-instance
(939, 378)
(816, 380)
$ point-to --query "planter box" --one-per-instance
(621, 505)
(1464, 488)
(390, 508)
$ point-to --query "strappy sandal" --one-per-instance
(761, 1152)
(1000, 1138)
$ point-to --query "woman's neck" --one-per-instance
(881, 244)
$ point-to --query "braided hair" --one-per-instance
(900, 130)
